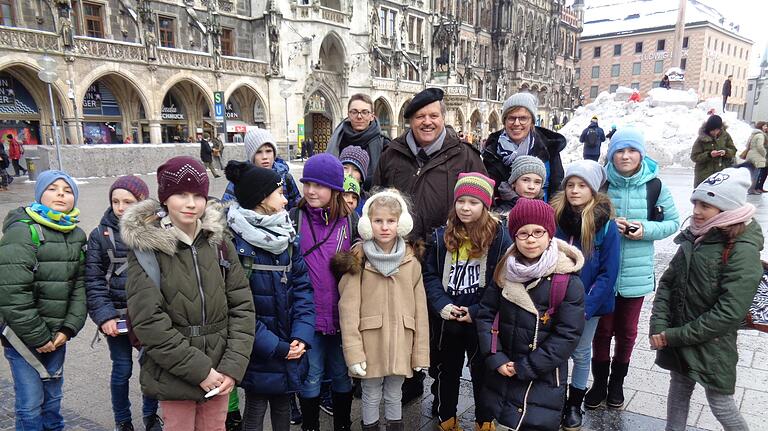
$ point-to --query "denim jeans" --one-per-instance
(679, 403)
(121, 353)
(326, 358)
(583, 354)
(38, 402)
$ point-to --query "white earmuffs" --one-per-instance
(404, 224)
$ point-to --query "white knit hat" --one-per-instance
(255, 138)
(725, 190)
(521, 100)
(588, 170)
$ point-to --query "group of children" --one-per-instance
(275, 301)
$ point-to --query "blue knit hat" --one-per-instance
(626, 137)
(46, 178)
(324, 169)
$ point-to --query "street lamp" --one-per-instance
(285, 93)
(48, 75)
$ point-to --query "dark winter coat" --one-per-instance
(726, 88)
(590, 150)
(547, 146)
(285, 312)
(104, 300)
(290, 190)
(5, 160)
(707, 165)
(206, 152)
(193, 292)
(534, 397)
(41, 291)
(701, 302)
(431, 186)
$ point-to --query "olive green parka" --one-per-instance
(705, 164)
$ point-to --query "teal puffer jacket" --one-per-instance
(628, 194)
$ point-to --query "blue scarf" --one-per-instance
(509, 151)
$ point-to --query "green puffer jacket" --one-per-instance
(701, 302)
(707, 165)
(192, 292)
(41, 293)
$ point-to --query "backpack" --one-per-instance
(117, 265)
(652, 193)
(591, 139)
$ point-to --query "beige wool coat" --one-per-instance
(383, 319)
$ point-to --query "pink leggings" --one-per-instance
(192, 415)
(622, 324)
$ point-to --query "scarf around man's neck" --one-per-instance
(723, 219)
(386, 263)
(56, 220)
(508, 150)
(424, 153)
(518, 272)
(273, 233)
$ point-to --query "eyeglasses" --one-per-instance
(522, 120)
(538, 233)
(356, 113)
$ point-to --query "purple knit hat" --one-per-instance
(356, 156)
(324, 169)
(531, 211)
(133, 184)
(179, 175)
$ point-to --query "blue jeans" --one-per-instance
(326, 358)
(583, 354)
(38, 402)
(121, 353)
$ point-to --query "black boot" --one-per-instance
(572, 415)
(310, 410)
(395, 425)
(372, 427)
(234, 421)
(295, 412)
(413, 388)
(342, 410)
(599, 390)
(615, 399)
(153, 423)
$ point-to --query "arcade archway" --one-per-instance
(114, 112)
(185, 113)
(384, 114)
(25, 110)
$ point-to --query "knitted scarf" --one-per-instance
(272, 233)
(56, 220)
(429, 149)
(725, 218)
(508, 150)
(344, 132)
(519, 272)
(386, 263)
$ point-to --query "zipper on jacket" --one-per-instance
(199, 284)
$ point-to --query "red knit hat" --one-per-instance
(179, 175)
(531, 211)
(135, 185)
(476, 185)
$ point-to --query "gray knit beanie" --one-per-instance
(518, 100)
(526, 165)
(255, 138)
(588, 170)
(725, 190)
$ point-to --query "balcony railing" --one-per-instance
(186, 59)
(316, 12)
(244, 66)
(109, 49)
(28, 40)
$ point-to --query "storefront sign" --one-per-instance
(661, 55)
(232, 113)
(92, 99)
(7, 93)
(218, 106)
(171, 113)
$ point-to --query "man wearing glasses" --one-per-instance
(520, 136)
(361, 129)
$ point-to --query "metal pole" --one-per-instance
(287, 135)
(55, 128)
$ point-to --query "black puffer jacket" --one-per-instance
(547, 146)
(105, 299)
(533, 398)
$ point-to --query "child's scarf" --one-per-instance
(725, 218)
(520, 273)
(56, 220)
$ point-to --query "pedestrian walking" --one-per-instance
(106, 262)
(703, 297)
(217, 151)
(527, 175)
(530, 320)
(713, 150)
(755, 159)
(5, 162)
(15, 152)
(584, 219)
(188, 299)
(592, 137)
(325, 226)
(726, 90)
(206, 154)
(760, 187)
(42, 297)
(645, 212)
(458, 267)
(383, 309)
(282, 294)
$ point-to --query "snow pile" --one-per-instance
(663, 97)
(670, 128)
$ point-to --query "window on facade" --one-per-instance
(656, 84)
(167, 28)
(685, 42)
(94, 25)
(720, 68)
(593, 91)
(636, 68)
(579, 52)
(741, 53)
(658, 66)
(617, 49)
(710, 87)
(392, 23)
(661, 44)
(615, 70)
(709, 39)
(577, 73)
(749, 87)
(638, 47)
(613, 88)
(706, 63)
(596, 53)
(227, 42)
(6, 13)
(595, 71)
(729, 49)
(635, 86)
(683, 63)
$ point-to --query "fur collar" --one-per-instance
(352, 261)
(140, 227)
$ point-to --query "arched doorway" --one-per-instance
(244, 108)
(384, 115)
(332, 57)
(318, 121)
(186, 113)
(476, 127)
(459, 125)
(114, 112)
(403, 123)
(25, 109)
(493, 122)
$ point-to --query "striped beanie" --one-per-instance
(133, 184)
(476, 185)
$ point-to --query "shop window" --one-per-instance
(167, 29)
(635, 86)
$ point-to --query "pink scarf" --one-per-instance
(725, 218)
(520, 273)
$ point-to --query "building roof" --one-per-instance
(613, 17)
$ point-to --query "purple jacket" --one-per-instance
(326, 289)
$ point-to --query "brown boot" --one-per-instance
(451, 424)
(485, 426)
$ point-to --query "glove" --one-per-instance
(419, 369)
(445, 313)
(358, 369)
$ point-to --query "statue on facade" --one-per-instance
(374, 28)
(404, 33)
(150, 41)
(274, 47)
(67, 34)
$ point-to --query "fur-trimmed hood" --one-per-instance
(352, 261)
(140, 227)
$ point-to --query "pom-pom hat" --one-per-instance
(476, 185)
(252, 183)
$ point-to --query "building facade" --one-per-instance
(145, 71)
(635, 51)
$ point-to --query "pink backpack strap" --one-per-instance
(495, 334)
(557, 292)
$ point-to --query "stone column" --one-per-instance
(70, 131)
(155, 132)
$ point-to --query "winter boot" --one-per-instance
(615, 399)
(413, 387)
(450, 424)
(124, 426)
(485, 426)
(599, 390)
(153, 423)
(326, 399)
(395, 425)
(342, 410)
(310, 409)
(572, 414)
(295, 412)
(234, 421)
(372, 427)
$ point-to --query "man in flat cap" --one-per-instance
(424, 163)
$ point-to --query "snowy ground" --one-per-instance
(670, 128)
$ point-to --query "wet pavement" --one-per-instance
(87, 406)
